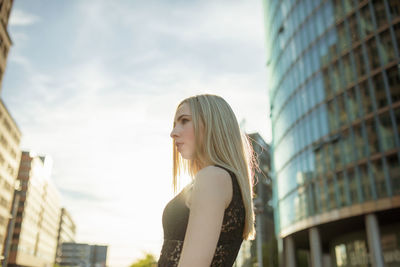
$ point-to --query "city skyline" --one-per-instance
(96, 90)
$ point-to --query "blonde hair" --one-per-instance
(218, 140)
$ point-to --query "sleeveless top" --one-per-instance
(175, 219)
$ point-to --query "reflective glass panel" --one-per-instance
(366, 100)
(379, 89)
(393, 75)
(394, 173)
(372, 136)
(379, 177)
(387, 132)
(365, 183)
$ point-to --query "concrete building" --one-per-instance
(5, 41)
(83, 255)
(10, 155)
(334, 77)
(66, 232)
(34, 239)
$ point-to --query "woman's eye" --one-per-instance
(184, 121)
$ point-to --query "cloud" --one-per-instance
(22, 18)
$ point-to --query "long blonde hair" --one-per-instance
(219, 141)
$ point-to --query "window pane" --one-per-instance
(349, 75)
(394, 173)
(397, 116)
(386, 47)
(322, 197)
(327, 83)
(379, 177)
(337, 157)
(365, 183)
(347, 146)
(360, 143)
(366, 25)
(366, 100)
(372, 137)
(372, 52)
(387, 132)
(342, 110)
(355, 36)
(331, 191)
(342, 35)
(333, 121)
(339, 12)
(352, 104)
(351, 175)
(380, 14)
(380, 93)
(335, 78)
(394, 7)
(342, 189)
(393, 75)
(359, 61)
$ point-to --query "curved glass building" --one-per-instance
(334, 85)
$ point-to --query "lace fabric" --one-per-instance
(175, 218)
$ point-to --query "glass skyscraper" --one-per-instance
(334, 85)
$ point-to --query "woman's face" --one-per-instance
(183, 132)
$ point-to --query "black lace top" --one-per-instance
(175, 218)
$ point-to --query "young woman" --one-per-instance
(205, 224)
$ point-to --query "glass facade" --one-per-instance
(334, 85)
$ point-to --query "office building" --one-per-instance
(83, 255)
(5, 41)
(10, 155)
(66, 232)
(34, 239)
(334, 86)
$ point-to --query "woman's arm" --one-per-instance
(211, 194)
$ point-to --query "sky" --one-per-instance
(94, 84)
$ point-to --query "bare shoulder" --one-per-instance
(212, 182)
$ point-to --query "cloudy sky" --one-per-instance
(94, 84)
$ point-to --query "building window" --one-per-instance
(394, 7)
(343, 114)
(386, 131)
(341, 189)
(394, 173)
(359, 61)
(347, 145)
(322, 195)
(354, 35)
(380, 93)
(373, 55)
(331, 191)
(393, 75)
(342, 36)
(352, 104)
(386, 47)
(336, 78)
(361, 151)
(338, 8)
(365, 183)
(372, 137)
(366, 100)
(379, 177)
(333, 119)
(380, 14)
(351, 175)
(366, 25)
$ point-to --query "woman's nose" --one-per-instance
(173, 133)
